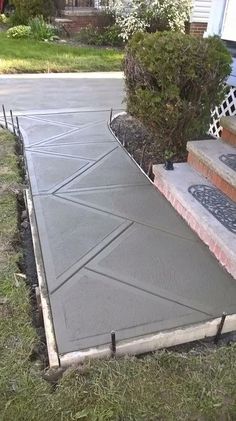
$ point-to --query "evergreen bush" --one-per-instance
(173, 81)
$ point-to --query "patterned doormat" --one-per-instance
(229, 160)
(219, 205)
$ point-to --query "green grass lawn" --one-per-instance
(28, 56)
(162, 386)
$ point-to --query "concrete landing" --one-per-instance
(116, 255)
(175, 187)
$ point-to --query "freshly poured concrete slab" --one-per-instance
(130, 203)
(87, 134)
(116, 255)
(132, 311)
(50, 171)
(91, 151)
(76, 119)
(115, 169)
(37, 131)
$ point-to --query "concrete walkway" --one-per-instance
(116, 255)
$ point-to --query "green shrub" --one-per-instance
(37, 29)
(172, 82)
(26, 9)
(20, 31)
(109, 36)
(41, 30)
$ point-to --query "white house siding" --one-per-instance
(201, 10)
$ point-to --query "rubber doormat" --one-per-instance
(219, 205)
(229, 160)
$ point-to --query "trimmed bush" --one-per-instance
(172, 82)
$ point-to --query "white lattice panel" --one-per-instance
(228, 107)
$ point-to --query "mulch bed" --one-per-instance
(132, 134)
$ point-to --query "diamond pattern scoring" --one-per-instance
(116, 255)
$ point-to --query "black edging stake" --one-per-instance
(19, 135)
(18, 126)
(113, 343)
(220, 328)
(12, 120)
(111, 115)
(4, 115)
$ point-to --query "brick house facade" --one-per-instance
(214, 17)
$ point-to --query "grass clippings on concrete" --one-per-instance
(162, 386)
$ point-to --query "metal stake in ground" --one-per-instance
(4, 115)
(111, 115)
(19, 136)
(18, 126)
(220, 328)
(12, 121)
(113, 343)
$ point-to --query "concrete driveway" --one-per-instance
(51, 91)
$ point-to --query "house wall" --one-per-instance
(200, 17)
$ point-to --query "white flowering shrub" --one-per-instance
(150, 15)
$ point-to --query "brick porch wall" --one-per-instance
(78, 22)
(197, 28)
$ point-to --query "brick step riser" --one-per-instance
(228, 137)
(193, 221)
(211, 175)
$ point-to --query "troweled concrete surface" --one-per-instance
(116, 254)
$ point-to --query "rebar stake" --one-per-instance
(111, 115)
(5, 117)
(12, 121)
(113, 343)
(220, 328)
(18, 126)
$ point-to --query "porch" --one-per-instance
(76, 7)
(83, 13)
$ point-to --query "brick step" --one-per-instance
(229, 129)
(175, 185)
(215, 160)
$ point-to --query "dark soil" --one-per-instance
(138, 141)
(27, 266)
(133, 136)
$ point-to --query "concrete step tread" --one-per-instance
(229, 123)
(175, 185)
(79, 11)
(212, 153)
